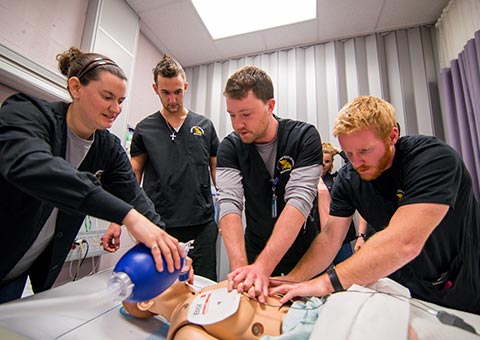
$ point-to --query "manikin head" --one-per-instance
(164, 304)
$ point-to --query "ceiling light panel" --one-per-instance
(225, 18)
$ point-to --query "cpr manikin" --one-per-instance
(212, 312)
(250, 320)
(209, 313)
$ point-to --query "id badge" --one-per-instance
(274, 206)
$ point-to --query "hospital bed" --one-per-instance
(379, 311)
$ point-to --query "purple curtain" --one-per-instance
(461, 93)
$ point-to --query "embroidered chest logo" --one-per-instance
(99, 175)
(285, 163)
(197, 131)
(400, 194)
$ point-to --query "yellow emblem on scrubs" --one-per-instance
(285, 163)
(400, 194)
(197, 131)
(99, 175)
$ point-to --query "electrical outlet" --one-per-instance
(91, 232)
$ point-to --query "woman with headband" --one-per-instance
(59, 163)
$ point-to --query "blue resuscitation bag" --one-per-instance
(148, 282)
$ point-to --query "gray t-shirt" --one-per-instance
(77, 149)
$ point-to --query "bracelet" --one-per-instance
(362, 235)
(332, 275)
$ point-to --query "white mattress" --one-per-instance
(361, 313)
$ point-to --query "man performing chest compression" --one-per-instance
(417, 193)
(275, 165)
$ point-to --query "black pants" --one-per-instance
(204, 252)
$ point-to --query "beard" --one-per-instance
(381, 166)
(252, 136)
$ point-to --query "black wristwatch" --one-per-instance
(362, 235)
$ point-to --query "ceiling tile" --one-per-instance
(405, 13)
(174, 26)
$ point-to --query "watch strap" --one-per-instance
(362, 235)
(332, 275)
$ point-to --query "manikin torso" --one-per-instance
(251, 320)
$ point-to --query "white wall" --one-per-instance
(6, 91)
(39, 30)
(112, 29)
(143, 101)
(32, 33)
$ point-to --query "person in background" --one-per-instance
(322, 202)
(59, 163)
(175, 150)
(275, 165)
(417, 193)
(364, 230)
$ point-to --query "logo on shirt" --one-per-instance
(197, 131)
(285, 163)
(400, 194)
(99, 175)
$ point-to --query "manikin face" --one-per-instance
(327, 163)
(369, 155)
(171, 92)
(98, 104)
(251, 118)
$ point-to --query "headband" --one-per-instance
(100, 61)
